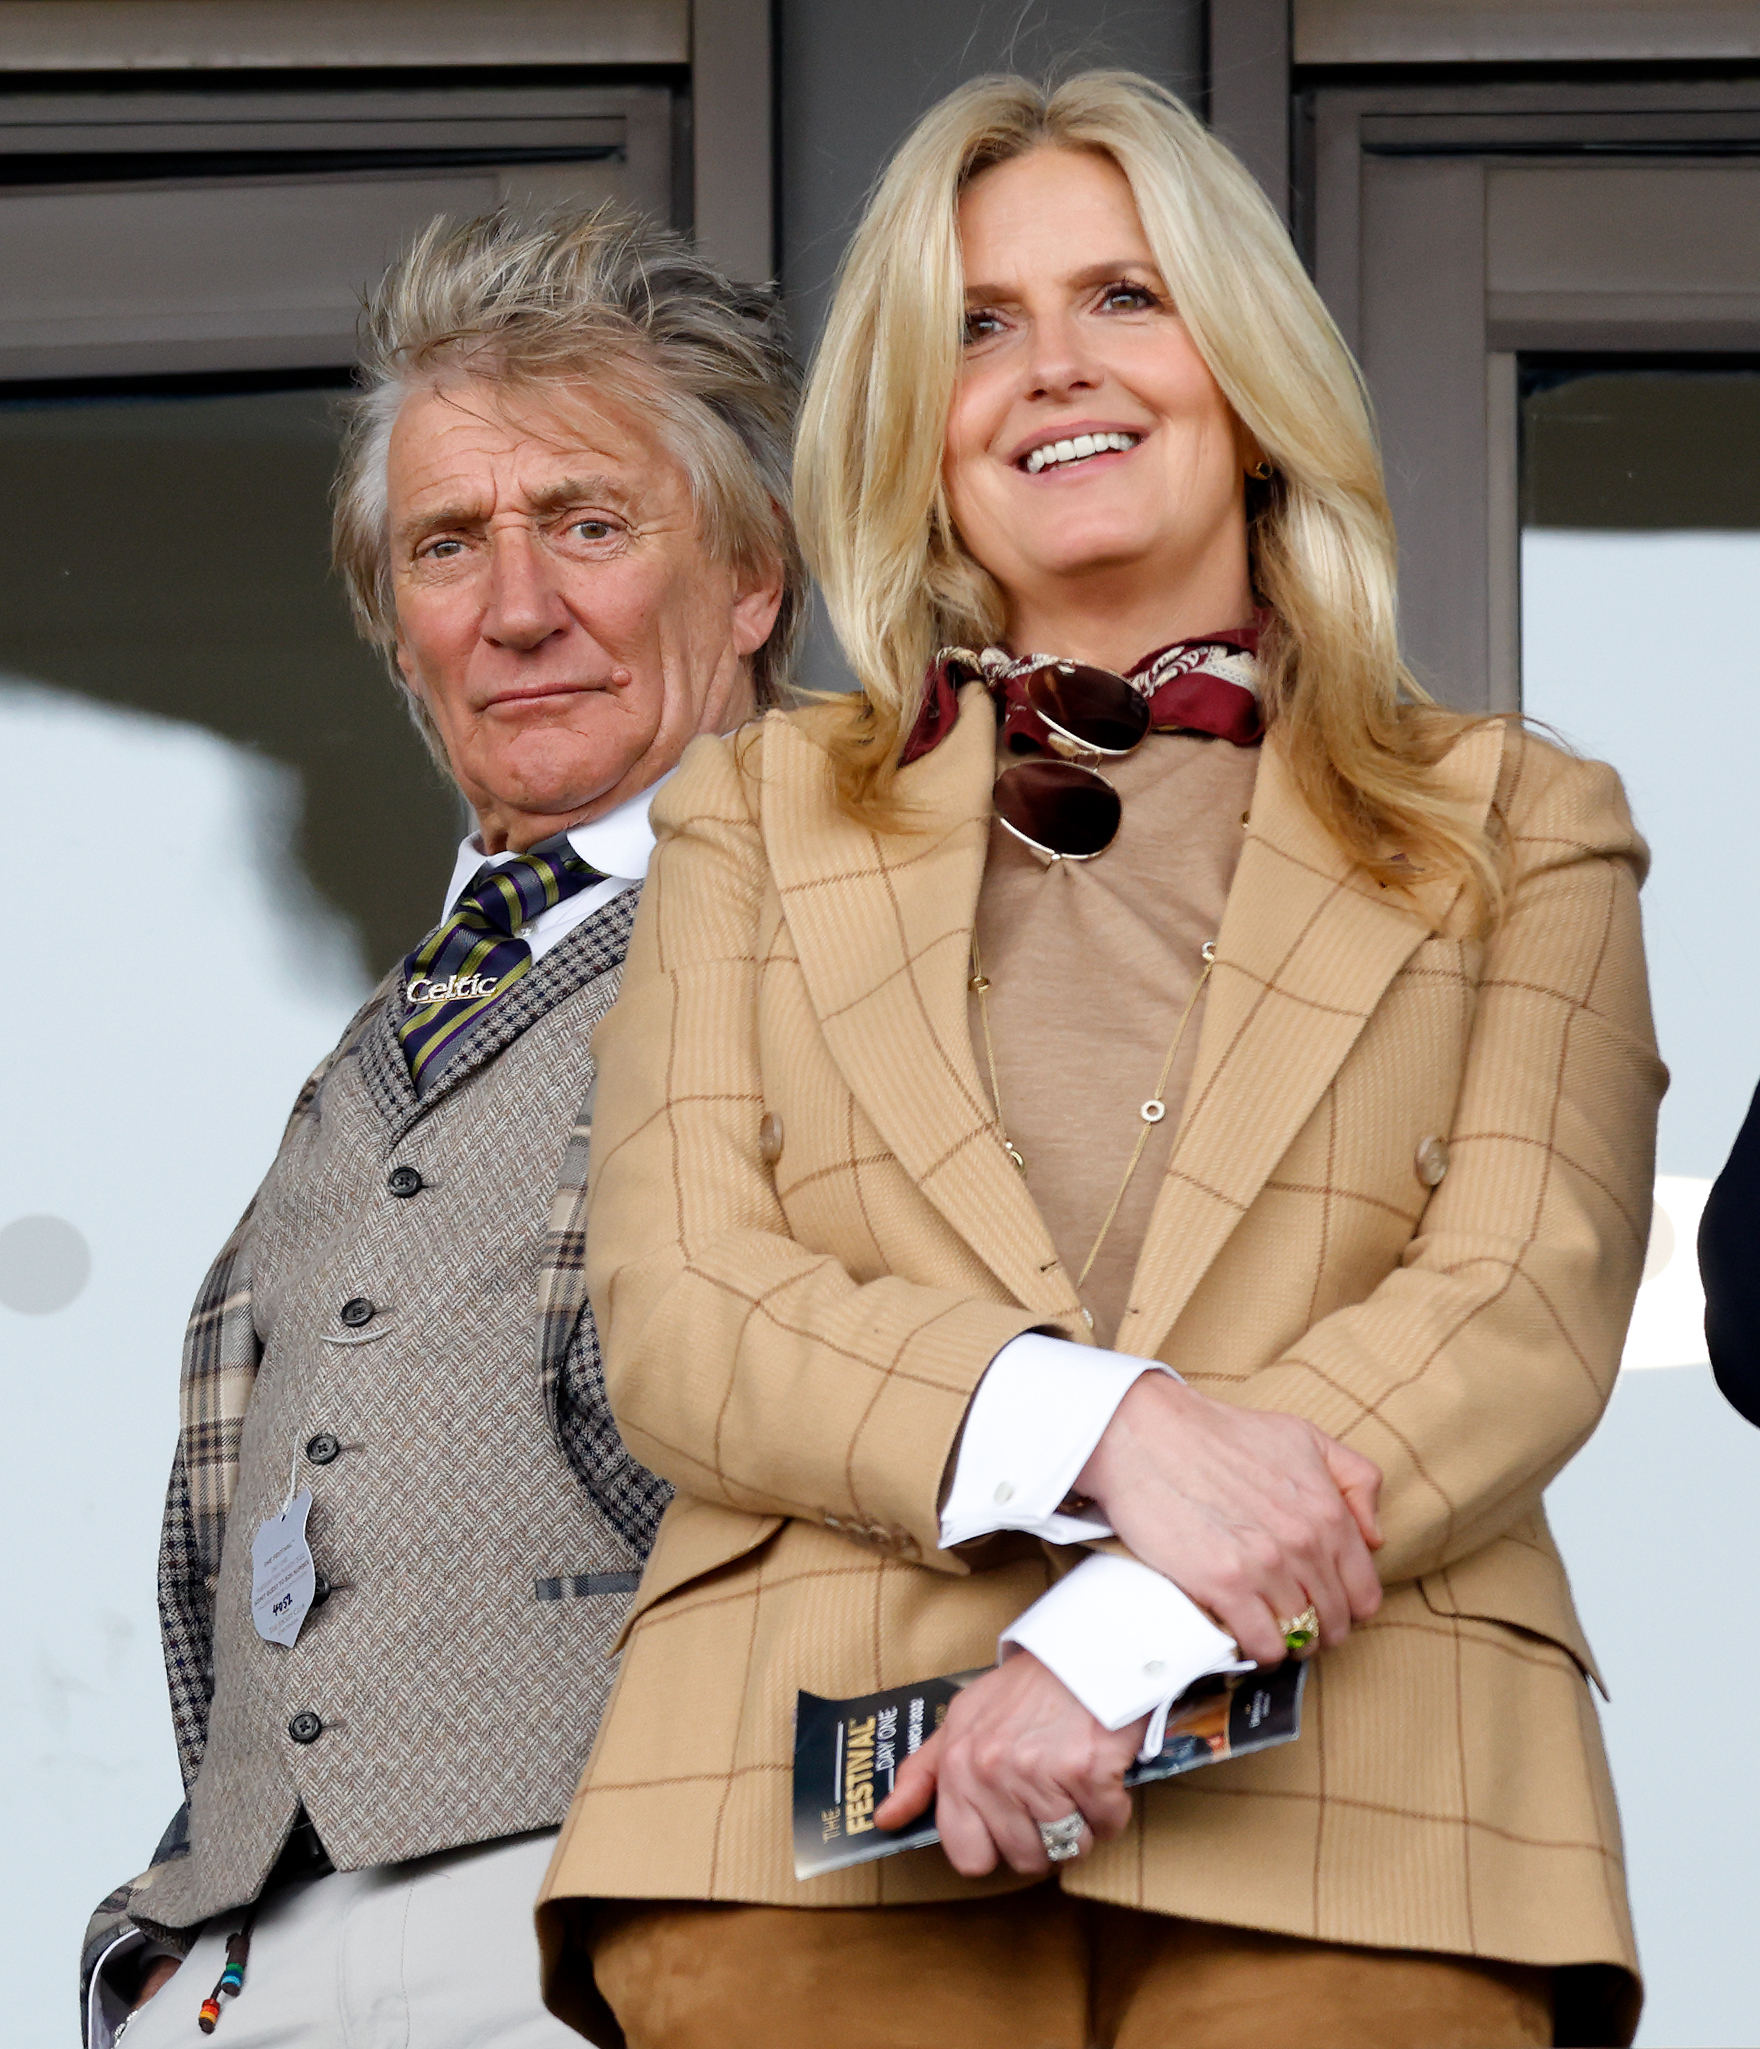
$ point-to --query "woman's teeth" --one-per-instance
(1075, 449)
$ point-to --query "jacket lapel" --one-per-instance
(1306, 949)
(882, 923)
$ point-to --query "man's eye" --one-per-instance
(592, 529)
(442, 550)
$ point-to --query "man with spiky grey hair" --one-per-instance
(402, 1532)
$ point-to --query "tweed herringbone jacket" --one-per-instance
(793, 1332)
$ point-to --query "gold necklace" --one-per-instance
(1151, 1113)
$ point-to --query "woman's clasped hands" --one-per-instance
(1255, 1515)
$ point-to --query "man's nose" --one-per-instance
(525, 602)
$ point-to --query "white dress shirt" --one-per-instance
(619, 845)
(1121, 1636)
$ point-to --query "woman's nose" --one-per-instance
(1060, 361)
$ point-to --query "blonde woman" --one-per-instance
(1069, 1148)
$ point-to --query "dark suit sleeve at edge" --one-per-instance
(1729, 1260)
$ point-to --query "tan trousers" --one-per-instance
(1035, 1970)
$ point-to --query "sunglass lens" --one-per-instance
(1090, 705)
(1059, 807)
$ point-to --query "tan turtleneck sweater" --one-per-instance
(1090, 965)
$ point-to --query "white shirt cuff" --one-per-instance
(1038, 1413)
(1123, 1639)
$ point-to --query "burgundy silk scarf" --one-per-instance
(1204, 685)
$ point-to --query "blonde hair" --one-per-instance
(599, 299)
(1362, 738)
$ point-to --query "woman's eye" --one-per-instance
(981, 324)
(1127, 298)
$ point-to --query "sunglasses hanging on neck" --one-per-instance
(1061, 806)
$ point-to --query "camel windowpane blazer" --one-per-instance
(794, 1342)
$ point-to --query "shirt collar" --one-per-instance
(618, 845)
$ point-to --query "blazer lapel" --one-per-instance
(1306, 949)
(882, 923)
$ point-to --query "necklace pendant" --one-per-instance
(1154, 1110)
(1013, 1151)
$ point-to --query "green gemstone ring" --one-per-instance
(1302, 1631)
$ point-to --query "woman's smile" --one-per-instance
(1068, 451)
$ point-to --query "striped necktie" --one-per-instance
(476, 956)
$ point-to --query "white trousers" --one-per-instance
(438, 1954)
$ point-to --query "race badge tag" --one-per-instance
(284, 1581)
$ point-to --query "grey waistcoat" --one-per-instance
(455, 1705)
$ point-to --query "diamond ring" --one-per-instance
(1062, 1839)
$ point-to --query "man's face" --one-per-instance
(557, 611)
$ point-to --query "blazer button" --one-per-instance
(322, 1448)
(403, 1181)
(1431, 1161)
(770, 1138)
(305, 1727)
(356, 1311)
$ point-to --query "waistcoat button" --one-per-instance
(322, 1448)
(320, 1590)
(1431, 1161)
(770, 1138)
(403, 1181)
(356, 1311)
(305, 1727)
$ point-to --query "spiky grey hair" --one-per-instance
(600, 302)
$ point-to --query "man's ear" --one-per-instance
(406, 668)
(757, 598)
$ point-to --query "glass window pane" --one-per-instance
(1640, 555)
(220, 830)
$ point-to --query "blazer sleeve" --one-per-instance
(741, 1366)
(1729, 1234)
(1479, 1366)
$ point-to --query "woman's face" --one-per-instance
(1091, 460)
